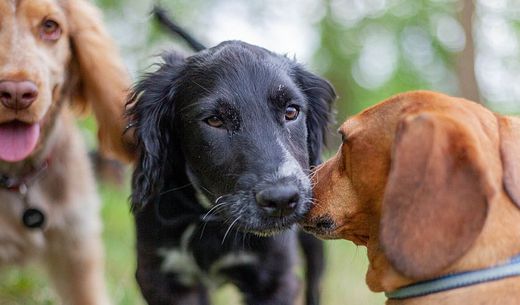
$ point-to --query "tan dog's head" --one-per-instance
(54, 52)
(414, 180)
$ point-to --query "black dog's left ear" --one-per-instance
(150, 112)
(320, 95)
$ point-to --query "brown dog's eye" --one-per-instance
(214, 121)
(291, 113)
(50, 30)
(344, 137)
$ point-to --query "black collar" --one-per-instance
(21, 182)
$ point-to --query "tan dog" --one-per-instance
(56, 56)
(431, 185)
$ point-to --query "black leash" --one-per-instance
(166, 21)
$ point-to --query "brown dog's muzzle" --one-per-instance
(319, 220)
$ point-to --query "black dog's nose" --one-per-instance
(278, 200)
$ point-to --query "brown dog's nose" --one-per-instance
(18, 95)
(325, 224)
(278, 200)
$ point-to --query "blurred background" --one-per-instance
(369, 50)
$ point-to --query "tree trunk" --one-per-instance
(466, 59)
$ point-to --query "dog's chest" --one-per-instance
(207, 266)
(17, 243)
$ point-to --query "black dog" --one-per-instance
(226, 138)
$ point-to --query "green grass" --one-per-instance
(344, 281)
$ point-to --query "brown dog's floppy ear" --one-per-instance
(510, 154)
(436, 198)
(102, 81)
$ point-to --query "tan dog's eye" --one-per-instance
(291, 113)
(50, 30)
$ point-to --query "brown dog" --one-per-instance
(431, 185)
(55, 56)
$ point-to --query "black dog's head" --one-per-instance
(241, 123)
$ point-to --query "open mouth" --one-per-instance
(18, 140)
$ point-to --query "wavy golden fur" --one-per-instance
(73, 66)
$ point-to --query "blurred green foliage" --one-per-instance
(343, 40)
(368, 49)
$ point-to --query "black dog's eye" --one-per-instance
(214, 121)
(291, 112)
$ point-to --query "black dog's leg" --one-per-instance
(262, 287)
(271, 281)
(159, 288)
(314, 258)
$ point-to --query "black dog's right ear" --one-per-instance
(320, 96)
(150, 113)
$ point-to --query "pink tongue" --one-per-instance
(17, 140)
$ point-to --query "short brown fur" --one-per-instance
(427, 183)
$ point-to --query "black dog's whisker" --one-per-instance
(237, 230)
(245, 234)
(218, 199)
(175, 189)
(229, 228)
(215, 209)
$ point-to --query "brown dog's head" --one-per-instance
(414, 179)
(53, 52)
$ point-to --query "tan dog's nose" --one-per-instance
(17, 95)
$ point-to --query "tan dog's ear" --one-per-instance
(510, 154)
(102, 81)
(436, 199)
